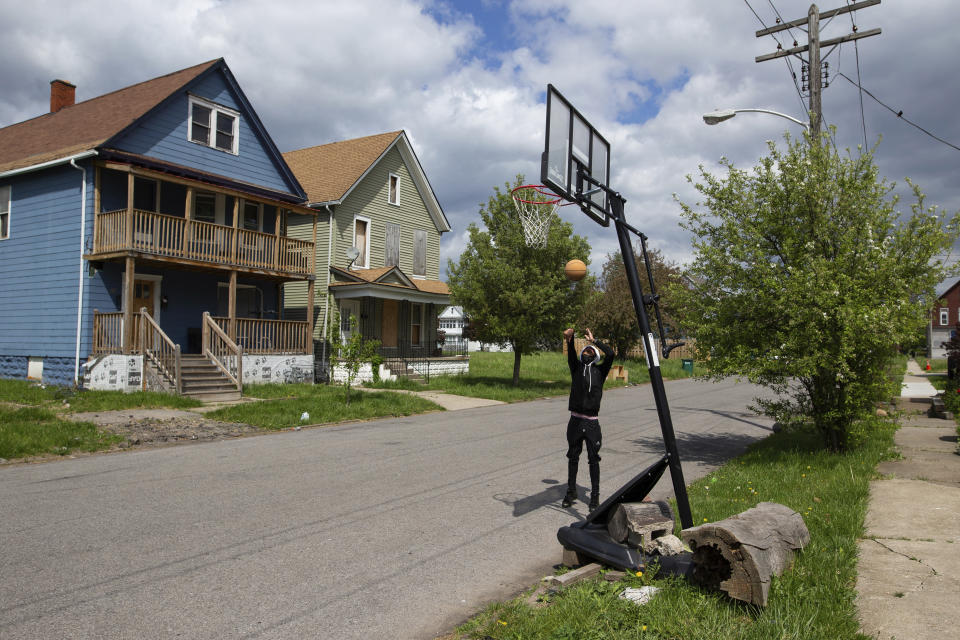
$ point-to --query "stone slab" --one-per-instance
(907, 589)
(926, 421)
(913, 509)
(934, 468)
(575, 576)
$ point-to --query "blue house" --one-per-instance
(144, 245)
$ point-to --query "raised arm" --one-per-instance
(572, 359)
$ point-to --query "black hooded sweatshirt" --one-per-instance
(586, 380)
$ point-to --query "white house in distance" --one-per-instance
(452, 322)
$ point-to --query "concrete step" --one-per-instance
(214, 395)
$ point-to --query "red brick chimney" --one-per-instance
(62, 94)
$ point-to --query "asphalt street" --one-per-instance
(394, 528)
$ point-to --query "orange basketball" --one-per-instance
(575, 270)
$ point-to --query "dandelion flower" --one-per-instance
(643, 628)
(501, 622)
(803, 475)
(639, 574)
(704, 519)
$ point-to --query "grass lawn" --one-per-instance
(541, 374)
(36, 429)
(285, 404)
(937, 365)
(30, 431)
(814, 599)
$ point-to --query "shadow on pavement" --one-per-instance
(708, 448)
(549, 497)
(739, 416)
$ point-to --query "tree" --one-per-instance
(610, 309)
(806, 278)
(512, 293)
(353, 352)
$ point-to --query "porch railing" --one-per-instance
(160, 350)
(108, 332)
(223, 351)
(414, 360)
(175, 237)
(269, 336)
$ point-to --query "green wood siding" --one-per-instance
(369, 200)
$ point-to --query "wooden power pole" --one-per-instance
(813, 46)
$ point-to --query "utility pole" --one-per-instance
(813, 46)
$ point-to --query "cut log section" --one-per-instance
(740, 554)
(640, 523)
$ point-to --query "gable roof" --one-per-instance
(329, 172)
(93, 124)
(388, 276)
(88, 124)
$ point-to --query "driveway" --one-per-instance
(395, 528)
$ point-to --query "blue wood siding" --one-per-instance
(40, 265)
(163, 135)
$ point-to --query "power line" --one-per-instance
(856, 50)
(899, 113)
(793, 74)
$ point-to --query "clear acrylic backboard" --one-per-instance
(571, 143)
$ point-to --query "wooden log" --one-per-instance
(738, 555)
(640, 523)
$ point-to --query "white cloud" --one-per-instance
(642, 72)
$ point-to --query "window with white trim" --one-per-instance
(361, 240)
(393, 189)
(213, 125)
(416, 323)
(944, 317)
(5, 212)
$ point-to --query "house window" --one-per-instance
(213, 125)
(944, 317)
(391, 251)
(4, 213)
(416, 323)
(252, 216)
(361, 240)
(205, 207)
(393, 189)
(145, 192)
(419, 253)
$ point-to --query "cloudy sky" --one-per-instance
(467, 80)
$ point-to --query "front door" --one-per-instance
(388, 328)
(143, 295)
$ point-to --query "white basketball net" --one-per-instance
(535, 207)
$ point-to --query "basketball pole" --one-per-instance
(653, 362)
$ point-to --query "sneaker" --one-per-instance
(568, 500)
(594, 502)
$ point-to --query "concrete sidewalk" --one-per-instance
(916, 383)
(908, 582)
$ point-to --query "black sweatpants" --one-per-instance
(580, 431)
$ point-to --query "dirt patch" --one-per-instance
(146, 427)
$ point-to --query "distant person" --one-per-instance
(587, 374)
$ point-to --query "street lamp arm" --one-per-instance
(717, 117)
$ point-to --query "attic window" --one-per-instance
(213, 125)
(393, 189)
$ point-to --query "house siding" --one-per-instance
(369, 200)
(40, 263)
(163, 135)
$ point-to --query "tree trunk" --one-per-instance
(516, 366)
(738, 555)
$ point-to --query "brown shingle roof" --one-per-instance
(328, 171)
(87, 124)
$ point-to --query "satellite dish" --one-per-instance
(352, 254)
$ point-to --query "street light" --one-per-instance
(719, 116)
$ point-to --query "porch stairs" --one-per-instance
(204, 381)
(400, 368)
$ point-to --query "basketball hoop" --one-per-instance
(535, 206)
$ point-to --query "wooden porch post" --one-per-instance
(276, 239)
(128, 306)
(232, 304)
(129, 238)
(187, 217)
(313, 254)
(96, 209)
(310, 293)
(235, 240)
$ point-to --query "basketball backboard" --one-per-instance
(572, 143)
